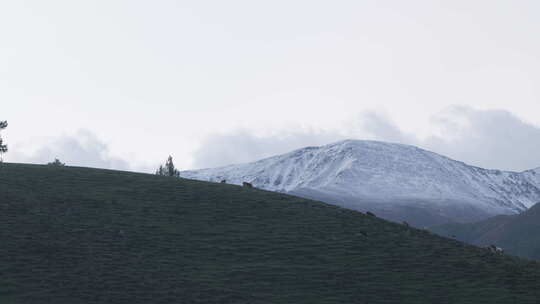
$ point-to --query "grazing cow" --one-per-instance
(370, 214)
(223, 181)
(247, 185)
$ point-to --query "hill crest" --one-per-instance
(379, 171)
(85, 236)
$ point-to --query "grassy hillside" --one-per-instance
(74, 235)
(517, 234)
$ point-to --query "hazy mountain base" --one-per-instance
(416, 212)
(75, 235)
(516, 234)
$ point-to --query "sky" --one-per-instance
(123, 84)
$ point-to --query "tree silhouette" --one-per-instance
(56, 163)
(3, 147)
(168, 169)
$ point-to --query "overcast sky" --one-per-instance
(123, 84)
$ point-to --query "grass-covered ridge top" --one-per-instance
(78, 235)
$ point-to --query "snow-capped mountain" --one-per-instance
(401, 182)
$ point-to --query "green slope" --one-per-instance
(516, 234)
(74, 235)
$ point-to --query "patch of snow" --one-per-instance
(384, 171)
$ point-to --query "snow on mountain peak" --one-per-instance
(383, 171)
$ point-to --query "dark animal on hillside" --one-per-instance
(223, 181)
(406, 224)
(494, 249)
(247, 185)
(362, 233)
(370, 214)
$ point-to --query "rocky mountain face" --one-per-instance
(395, 181)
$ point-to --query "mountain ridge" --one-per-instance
(514, 233)
(364, 171)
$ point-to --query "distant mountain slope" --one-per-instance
(75, 235)
(517, 234)
(401, 182)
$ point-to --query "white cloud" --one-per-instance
(377, 126)
(243, 146)
(83, 148)
(491, 139)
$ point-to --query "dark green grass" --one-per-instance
(74, 235)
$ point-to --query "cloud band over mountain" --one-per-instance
(485, 138)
